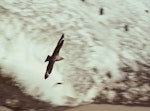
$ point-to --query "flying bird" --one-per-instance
(54, 57)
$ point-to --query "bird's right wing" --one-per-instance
(58, 47)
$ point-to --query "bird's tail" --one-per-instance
(58, 58)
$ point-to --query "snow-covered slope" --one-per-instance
(98, 51)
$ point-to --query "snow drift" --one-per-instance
(103, 61)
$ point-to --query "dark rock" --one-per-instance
(13, 99)
(101, 11)
(147, 11)
(126, 27)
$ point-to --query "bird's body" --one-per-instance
(55, 57)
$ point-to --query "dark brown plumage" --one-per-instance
(55, 57)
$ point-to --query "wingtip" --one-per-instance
(62, 36)
(46, 76)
